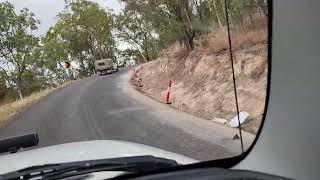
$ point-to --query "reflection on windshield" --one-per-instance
(165, 74)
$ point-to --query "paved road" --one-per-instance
(104, 107)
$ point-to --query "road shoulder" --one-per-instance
(196, 126)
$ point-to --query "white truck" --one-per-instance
(105, 66)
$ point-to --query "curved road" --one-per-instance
(107, 107)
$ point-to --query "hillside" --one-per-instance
(202, 78)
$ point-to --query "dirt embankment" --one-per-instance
(202, 78)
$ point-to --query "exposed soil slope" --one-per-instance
(202, 78)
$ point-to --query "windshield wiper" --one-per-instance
(136, 164)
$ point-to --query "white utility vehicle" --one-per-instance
(105, 66)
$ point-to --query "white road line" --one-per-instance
(115, 111)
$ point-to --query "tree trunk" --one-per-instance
(19, 84)
(146, 48)
(241, 19)
(251, 18)
(20, 94)
(223, 8)
(202, 19)
(83, 71)
(260, 9)
(217, 13)
(189, 39)
(265, 7)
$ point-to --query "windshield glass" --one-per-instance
(162, 78)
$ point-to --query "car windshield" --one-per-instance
(100, 79)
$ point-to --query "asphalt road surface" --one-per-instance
(107, 107)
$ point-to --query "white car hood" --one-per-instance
(80, 151)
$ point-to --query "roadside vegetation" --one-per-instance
(7, 110)
(31, 63)
(84, 32)
(201, 69)
(202, 78)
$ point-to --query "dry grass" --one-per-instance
(202, 77)
(176, 50)
(8, 110)
(250, 37)
(218, 42)
(249, 34)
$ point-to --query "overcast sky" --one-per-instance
(47, 10)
